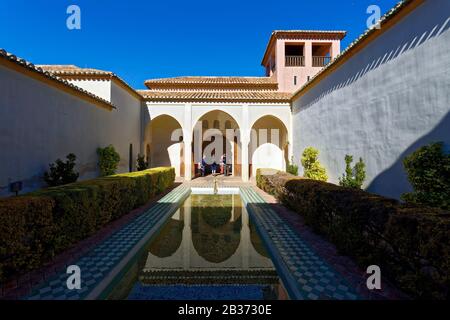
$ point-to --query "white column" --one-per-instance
(245, 139)
(187, 138)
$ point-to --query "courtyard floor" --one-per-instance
(309, 261)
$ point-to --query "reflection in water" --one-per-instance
(208, 241)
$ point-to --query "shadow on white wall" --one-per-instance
(268, 155)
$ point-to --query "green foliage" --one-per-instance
(272, 181)
(61, 172)
(26, 233)
(141, 163)
(108, 160)
(411, 244)
(312, 167)
(35, 227)
(353, 177)
(428, 170)
(291, 167)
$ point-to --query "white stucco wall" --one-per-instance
(383, 103)
(40, 123)
(99, 87)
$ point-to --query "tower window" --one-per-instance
(295, 80)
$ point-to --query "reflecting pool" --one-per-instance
(208, 249)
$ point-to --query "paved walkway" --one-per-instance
(308, 264)
(346, 267)
(100, 265)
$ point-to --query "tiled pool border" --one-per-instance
(105, 286)
(284, 263)
(101, 287)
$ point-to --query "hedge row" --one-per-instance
(411, 244)
(36, 226)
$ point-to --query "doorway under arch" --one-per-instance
(216, 133)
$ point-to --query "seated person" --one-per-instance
(202, 166)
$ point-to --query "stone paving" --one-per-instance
(97, 265)
(309, 265)
(305, 274)
(344, 265)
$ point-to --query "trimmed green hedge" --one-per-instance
(411, 244)
(272, 181)
(35, 227)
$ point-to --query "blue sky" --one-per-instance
(140, 39)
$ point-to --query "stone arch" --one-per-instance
(234, 113)
(268, 146)
(164, 138)
(263, 115)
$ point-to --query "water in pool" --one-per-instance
(207, 250)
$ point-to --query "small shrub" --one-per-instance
(141, 163)
(108, 160)
(312, 167)
(428, 171)
(291, 167)
(353, 177)
(272, 181)
(62, 172)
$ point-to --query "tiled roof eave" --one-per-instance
(176, 96)
(237, 86)
(187, 100)
(200, 82)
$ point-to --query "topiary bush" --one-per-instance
(428, 171)
(312, 167)
(35, 227)
(353, 177)
(108, 160)
(27, 233)
(62, 173)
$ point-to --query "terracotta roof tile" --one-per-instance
(214, 96)
(66, 70)
(257, 83)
